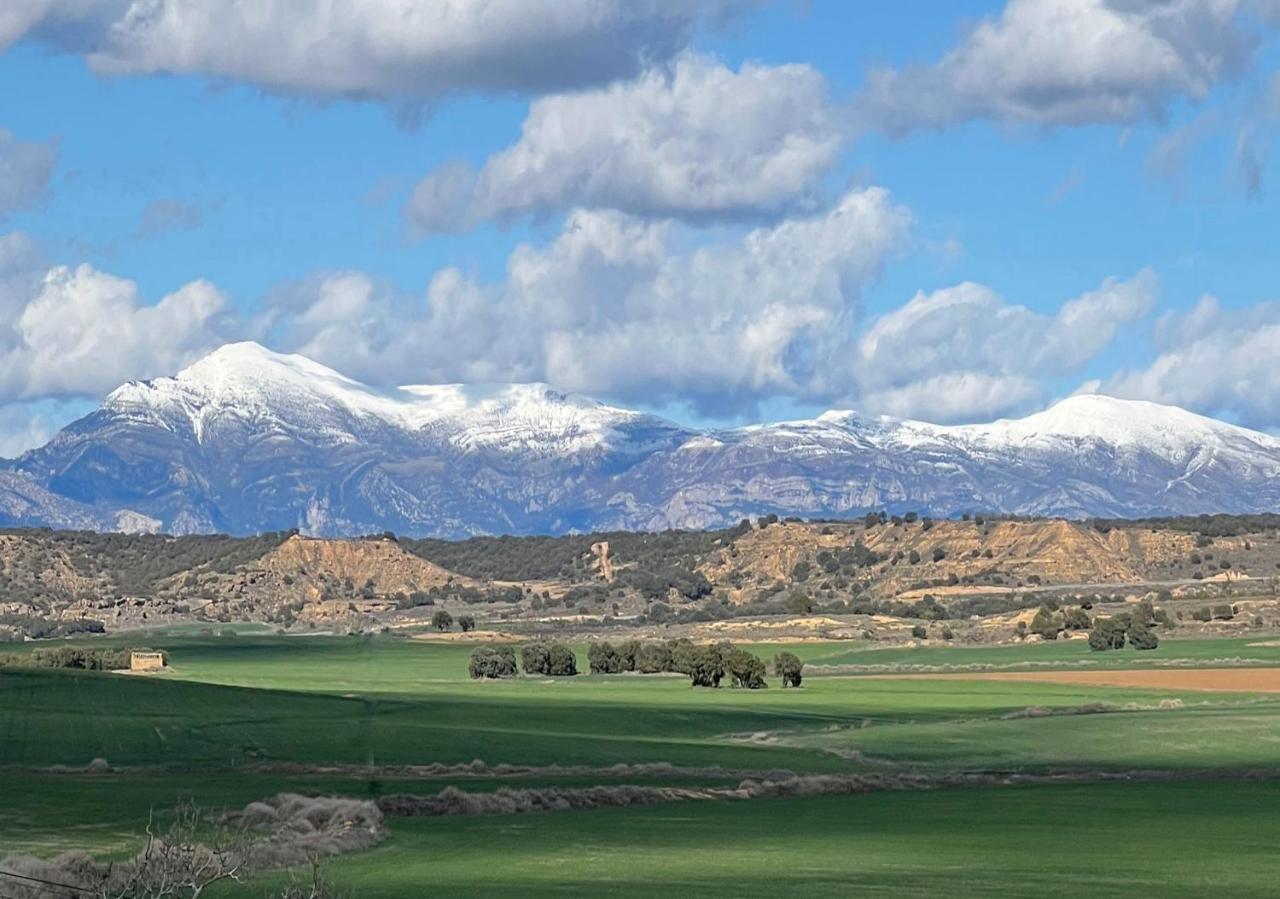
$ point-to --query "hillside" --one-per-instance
(246, 441)
(60, 582)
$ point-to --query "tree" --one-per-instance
(653, 658)
(920, 632)
(1108, 633)
(467, 623)
(442, 620)
(603, 658)
(628, 653)
(535, 658)
(706, 666)
(1076, 620)
(745, 669)
(682, 652)
(787, 665)
(492, 662)
(561, 662)
(799, 604)
(1045, 624)
(1143, 637)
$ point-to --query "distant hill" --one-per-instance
(58, 582)
(246, 441)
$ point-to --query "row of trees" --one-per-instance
(80, 657)
(545, 659)
(705, 665)
(443, 621)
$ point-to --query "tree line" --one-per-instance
(706, 665)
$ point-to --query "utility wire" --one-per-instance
(41, 880)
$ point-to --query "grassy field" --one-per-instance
(234, 706)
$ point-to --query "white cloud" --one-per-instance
(964, 353)
(1066, 62)
(82, 332)
(1214, 360)
(615, 307)
(404, 50)
(25, 169)
(696, 140)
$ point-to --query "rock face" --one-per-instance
(247, 440)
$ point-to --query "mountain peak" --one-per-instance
(249, 359)
(247, 439)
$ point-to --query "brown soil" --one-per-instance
(1226, 680)
(1052, 550)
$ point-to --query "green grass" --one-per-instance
(232, 703)
(1184, 839)
(1054, 653)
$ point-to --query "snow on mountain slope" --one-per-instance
(246, 440)
(253, 384)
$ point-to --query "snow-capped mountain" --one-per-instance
(247, 440)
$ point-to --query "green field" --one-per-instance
(217, 727)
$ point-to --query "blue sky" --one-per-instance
(722, 212)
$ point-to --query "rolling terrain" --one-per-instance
(1011, 778)
(874, 577)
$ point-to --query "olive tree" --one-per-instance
(787, 665)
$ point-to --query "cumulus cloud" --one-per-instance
(81, 332)
(964, 353)
(25, 169)
(695, 140)
(1214, 360)
(619, 306)
(1066, 62)
(405, 50)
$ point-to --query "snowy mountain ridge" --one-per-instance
(246, 440)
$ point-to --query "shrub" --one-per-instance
(787, 665)
(492, 662)
(920, 632)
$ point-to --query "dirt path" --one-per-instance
(1222, 680)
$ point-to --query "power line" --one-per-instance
(41, 880)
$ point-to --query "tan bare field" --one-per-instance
(1248, 680)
